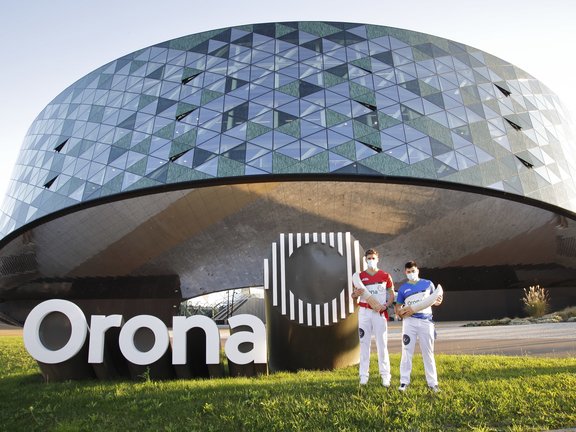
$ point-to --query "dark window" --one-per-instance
(503, 90)
(525, 162)
(177, 156)
(234, 83)
(268, 29)
(179, 117)
(306, 88)
(370, 119)
(340, 70)
(237, 153)
(157, 74)
(187, 79)
(281, 118)
(222, 52)
(234, 117)
(290, 38)
(344, 38)
(245, 41)
(373, 147)
(50, 182)
(514, 125)
(314, 45)
(363, 68)
(385, 57)
(60, 146)
(367, 105)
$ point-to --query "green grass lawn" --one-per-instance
(479, 393)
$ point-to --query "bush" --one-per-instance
(567, 313)
(536, 301)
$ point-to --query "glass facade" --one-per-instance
(295, 98)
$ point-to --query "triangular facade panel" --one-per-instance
(298, 97)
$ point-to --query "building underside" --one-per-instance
(146, 253)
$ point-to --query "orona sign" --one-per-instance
(310, 324)
(99, 324)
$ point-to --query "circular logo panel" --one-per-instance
(309, 276)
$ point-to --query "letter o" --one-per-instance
(126, 339)
(31, 331)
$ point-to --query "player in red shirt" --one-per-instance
(375, 294)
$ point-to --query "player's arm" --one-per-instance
(440, 298)
(425, 302)
(406, 312)
(357, 291)
(399, 309)
(403, 312)
(399, 302)
(390, 296)
(365, 295)
(389, 292)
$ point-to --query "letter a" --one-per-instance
(257, 338)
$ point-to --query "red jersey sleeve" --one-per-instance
(389, 282)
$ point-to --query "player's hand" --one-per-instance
(438, 301)
(357, 292)
(406, 312)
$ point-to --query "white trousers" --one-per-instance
(372, 323)
(423, 330)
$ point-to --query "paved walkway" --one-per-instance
(8, 330)
(545, 340)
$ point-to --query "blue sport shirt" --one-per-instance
(411, 292)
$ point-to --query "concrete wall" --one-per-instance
(488, 304)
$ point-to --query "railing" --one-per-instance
(7, 320)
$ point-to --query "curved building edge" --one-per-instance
(360, 47)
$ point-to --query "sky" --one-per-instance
(47, 45)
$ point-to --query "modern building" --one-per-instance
(169, 172)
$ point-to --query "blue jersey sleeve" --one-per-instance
(400, 297)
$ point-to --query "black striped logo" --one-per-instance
(309, 276)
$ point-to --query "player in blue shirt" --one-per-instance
(416, 325)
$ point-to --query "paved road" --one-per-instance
(544, 340)
(8, 330)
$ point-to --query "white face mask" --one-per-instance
(372, 264)
(412, 276)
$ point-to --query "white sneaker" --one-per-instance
(363, 380)
(435, 388)
(385, 382)
(403, 387)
